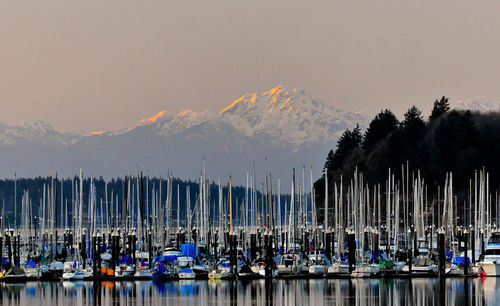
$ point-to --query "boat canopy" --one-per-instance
(190, 249)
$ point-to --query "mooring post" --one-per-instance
(253, 246)
(472, 245)
(328, 242)
(388, 244)
(134, 246)
(466, 257)
(51, 247)
(410, 250)
(376, 243)
(351, 245)
(232, 253)
(1, 250)
(431, 245)
(216, 245)
(269, 255)
(441, 253)
(482, 243)
(9, 247)
(100, 240)
(306, 242)
(94, 256)
(14, 248)
(150, 247)
(83, 248)
(114, 249)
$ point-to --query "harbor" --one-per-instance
(249, 153)
(384, 231)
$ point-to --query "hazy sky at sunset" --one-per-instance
(104, 65)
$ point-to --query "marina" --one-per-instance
(249, 153)
(365, 232)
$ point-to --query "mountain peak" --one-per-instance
(280, 115)
(154, 117)
(293, 116)
(277, 98)
(481, 104)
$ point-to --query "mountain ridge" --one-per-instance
(278, 129)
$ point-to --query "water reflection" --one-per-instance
(474, 291)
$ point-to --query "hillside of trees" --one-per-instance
(449, 140)
(66, 200)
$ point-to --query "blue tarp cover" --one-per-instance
(31, 264)
(460, 261)
(190, 249)
(166, 258)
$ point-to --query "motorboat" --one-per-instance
(491, 260)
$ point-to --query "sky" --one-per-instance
(104, 65)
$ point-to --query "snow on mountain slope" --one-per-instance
(291, 116)
(278, 129)
(37, 132)
(480, 104)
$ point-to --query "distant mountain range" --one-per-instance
(278, 130)
(480, 104)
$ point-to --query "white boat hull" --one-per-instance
(290, 270)
(318, 270)
(183, 275)
(144, 273)
(337, 268)
(73, 276)
(491, 268)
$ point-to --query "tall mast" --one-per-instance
(230, 206)
(178, 207)
(15, 202)
(325, 222)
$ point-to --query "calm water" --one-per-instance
(458, 291)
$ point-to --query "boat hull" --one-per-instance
(73, 276)
(491, 268)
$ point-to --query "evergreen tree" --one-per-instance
(347, 143)
(440, 107)
(380, 127)
(329, 161)
(413, 124)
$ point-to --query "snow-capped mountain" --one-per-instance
(277, 129)
(293, 117)
(480, 104)
(37, 132)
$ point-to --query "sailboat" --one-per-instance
(318, 264)
(72, 272)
